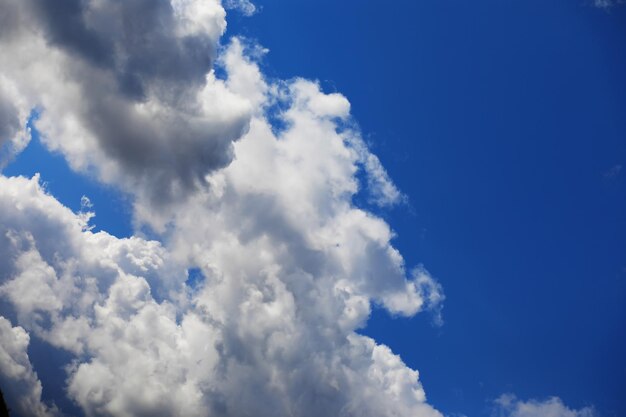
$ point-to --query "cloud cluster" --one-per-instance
(508, 405)
(124, 89)
(259, 179)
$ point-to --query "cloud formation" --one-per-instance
(125, 89)
(17, 377)
(613, 172)
(258, 179)
(508, 405)
(246, 7)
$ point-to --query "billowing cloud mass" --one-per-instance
(244, 6)
(124, 89)
(14, 135)
(509, 405)
(255, 181)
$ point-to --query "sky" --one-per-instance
(412, 208)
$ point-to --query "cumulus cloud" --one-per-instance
(125, 89)
(17, 377)
(54, 269)
(270, 332)
(508, 405)
(613, 172)
(258, 178)
(290, 270)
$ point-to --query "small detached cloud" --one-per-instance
(508, 405)
(607, 4)
(613, 172)
(246, 7)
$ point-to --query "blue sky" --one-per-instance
(504, 123)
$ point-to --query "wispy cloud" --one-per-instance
(19, 381)
(613, 172)
(508, 405)
(607, 4)
(136, 103)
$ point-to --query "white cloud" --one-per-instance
(508, 405)
(246, 7)
(607, 4)
(124, 89)
(17, 378)
(291, 266)
(259, 178)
